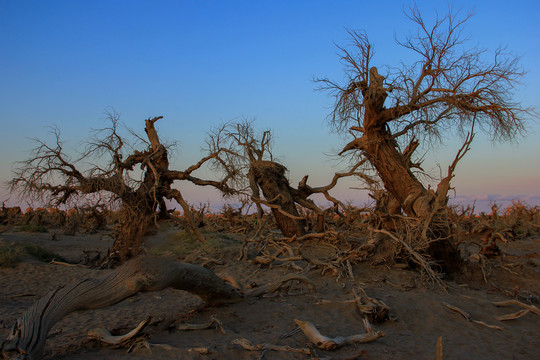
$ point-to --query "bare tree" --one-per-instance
(52, 175)
(246, 157)
(450, 87)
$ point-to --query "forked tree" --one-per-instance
(246, 156)
(139, 180)
(451, 88)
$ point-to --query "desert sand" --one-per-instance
(418, 317)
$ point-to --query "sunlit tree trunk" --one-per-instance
(393, 168)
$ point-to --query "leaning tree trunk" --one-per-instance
(400, 182)
(270, 177)
(382, 151)
(28, 335)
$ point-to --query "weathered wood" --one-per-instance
(327, 343)
(141, 274)
(270, 176)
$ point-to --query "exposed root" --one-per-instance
(468, 317)
(513, 316)
(416, 257)
(529, 308)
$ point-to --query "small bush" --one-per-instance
(42, 253)
(9, 254)
(33, 227)
(184, 243)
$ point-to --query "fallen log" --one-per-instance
(142, 274)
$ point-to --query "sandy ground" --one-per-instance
(418, 310)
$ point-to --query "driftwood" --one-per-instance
(516, 315)
(214, 322)
(134, 340)
(326, 343)
(28, 335)
(371, 308)
(103, 335)
(439, 349)
(247, 345)
(469, 318)
(269, 289)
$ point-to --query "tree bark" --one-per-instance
(129, 232)
(138, 275)
(270, 176)
(393, 168)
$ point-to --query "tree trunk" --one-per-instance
(270, 177)
(138, 275)
(400, 182)
(394, 171)
(393, 168)
(129, 234)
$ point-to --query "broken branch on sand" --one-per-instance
(513, 316)
(214, 321)
(439, 349)
(516, 315)
(103, 335)
(468, 317)
(269, 289)
(246, 344)
(326, 343)
(54, 262)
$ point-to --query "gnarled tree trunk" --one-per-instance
(270, 176)
(140, 274)
(393, 168)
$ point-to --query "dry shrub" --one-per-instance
(73, 222)
(11, 215)
(56, 217)
(85, 220)
(233, 220)
(522, 220)
(35, 217)
(10, 254)
(517, 221)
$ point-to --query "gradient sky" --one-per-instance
(199, 63)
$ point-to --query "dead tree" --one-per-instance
(51, 175)
(249, 157)
(142, 274)
(449, 86)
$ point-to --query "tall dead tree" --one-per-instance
(248, 156)
(449, 87)
(51, 175)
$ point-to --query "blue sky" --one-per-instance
(199, 63)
